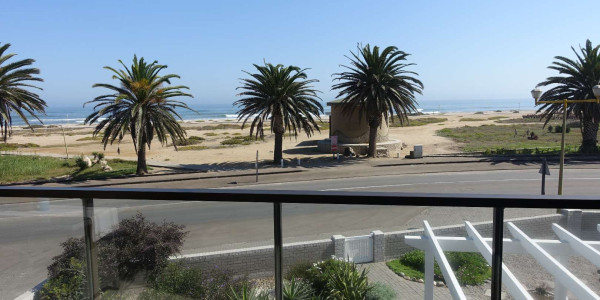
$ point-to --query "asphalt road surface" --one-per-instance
(30, 233)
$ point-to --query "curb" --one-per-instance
(197, 178)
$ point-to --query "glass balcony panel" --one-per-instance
(566, 264)
(32, 231)
(320, 239)
(194, 249)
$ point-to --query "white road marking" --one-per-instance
(448, 182)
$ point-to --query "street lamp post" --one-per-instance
(537, 93)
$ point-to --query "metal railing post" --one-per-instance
(93, 281)
(497, 243)
(278, 250)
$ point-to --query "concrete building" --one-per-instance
(353, 131)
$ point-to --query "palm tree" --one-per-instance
(577, 79)
(282, 95)
(378, 85)
(142, 106)
(15, 78)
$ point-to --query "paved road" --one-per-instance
(30, 233)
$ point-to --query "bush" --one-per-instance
(98, 156)
(470, 268)
(381, 291)
(297, 289)
(298, 271)
(346, 282)
(178, 280)
(68, 283)
(558, 129)
(246, 293)
(238, 140)
(192, 140)
(549, 128)
(335, 278)
(150, 294)
(81, 163)
(135, 245)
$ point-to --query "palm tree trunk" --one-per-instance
(279, 130)
(142, 168)
(278, 152)
(372, 152)
(589, 134)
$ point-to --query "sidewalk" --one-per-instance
(322, 169)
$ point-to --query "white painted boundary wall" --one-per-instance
(390, 245)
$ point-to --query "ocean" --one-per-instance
(76, 114)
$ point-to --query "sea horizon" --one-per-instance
(70, 114)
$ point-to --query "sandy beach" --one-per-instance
(216, 156)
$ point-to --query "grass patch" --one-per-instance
(15, 146)
(210, 134)
(236, 134)
(194, 147)
(218, 126)
(90, 138)
(501, 139)
(323, 125)
(418, 121)
(33, 127)
(479, 113)
(119, 167)
(192, 140)
(425, 121)
(239, 140)
(497, 118)
(18, 168)
(470, 120)
(470, 268)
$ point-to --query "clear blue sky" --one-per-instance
(463, 49)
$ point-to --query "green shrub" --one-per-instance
(239, 140)
(135, 245)
(180, 280)
(246, 293)
(297, 289)
(347, 282)
(194, 147)
(81, 163)
(150, 294)
(98, 156)
(90, 138)
(335, 278)
(68, 283)
(558, 128)
(300, 270)
(549, 128)
(14, 146)
(192, 140)
(381, 291)
(568, 129)
(469, 268)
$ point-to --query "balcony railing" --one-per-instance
(497, 202)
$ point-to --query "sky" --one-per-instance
(463, 50)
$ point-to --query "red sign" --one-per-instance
(334, 142)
